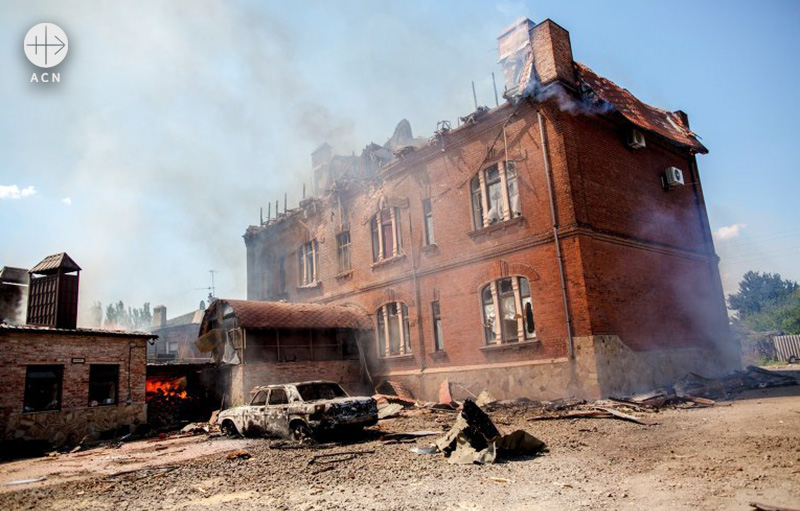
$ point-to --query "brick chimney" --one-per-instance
(534, 56)
(159, 316)
(552, 53)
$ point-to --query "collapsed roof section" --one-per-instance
(670, 125)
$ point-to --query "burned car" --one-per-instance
(299, 410)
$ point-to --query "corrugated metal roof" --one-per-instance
(74, 331)
(55, 262)
(257, 314)
(664, 123)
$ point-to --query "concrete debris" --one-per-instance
(394, 388)
(484, 398)
(389, 410)
(475, 439)
(196, 428)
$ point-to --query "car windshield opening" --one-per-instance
(318, 391)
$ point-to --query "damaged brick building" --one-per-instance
(555, 245)
(61, 383)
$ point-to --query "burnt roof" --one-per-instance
(74, 331)
(54, 263)
(258, 314)
(668, 124)
(14, 275)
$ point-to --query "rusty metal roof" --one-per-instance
(257, 314)
(55, 262)
(669, 125)
(94, 332)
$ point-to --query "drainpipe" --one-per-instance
(415, 280)
(548, 173)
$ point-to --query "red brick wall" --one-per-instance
(20, 349)
(617, 226)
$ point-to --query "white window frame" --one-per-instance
(383, 335)
(307, 264)
(509, 191)
(341, 248)
(376, 224)
(500, 333)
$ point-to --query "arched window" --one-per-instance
(507, 311)
(393, 332)
(386, 242)
(495, 195)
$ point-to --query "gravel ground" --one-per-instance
(717, 458)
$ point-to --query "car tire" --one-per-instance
(229, 429)
(300, 431)
(793, 359)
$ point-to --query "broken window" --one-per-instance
(343, 249)
(507, 311)
(393, 332)
(260, 399)
(385, 226)
(495, 195)
(428, 214)
(43, 388)
(307, 263)
(103, 384)
(278, 397)
(438, 338)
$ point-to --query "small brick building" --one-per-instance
(555, 245)
(61, 383)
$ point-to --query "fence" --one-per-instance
(787, 347)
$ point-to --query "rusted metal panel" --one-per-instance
(787, 346)
(280, 315)
(54, 263)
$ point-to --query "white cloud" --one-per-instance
(729, 232)
(67, 201)
(13, 192)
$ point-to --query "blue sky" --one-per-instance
(175, 121)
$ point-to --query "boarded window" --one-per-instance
(43, 388)
(103, 384)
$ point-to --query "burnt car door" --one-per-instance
(276, 417)
(254, 423)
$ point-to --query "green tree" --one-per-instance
(766, 302)
(118, 317)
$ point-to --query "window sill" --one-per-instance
(511, 345)
(391, 260)
(431, 249)
(439, 354)
(313, 285)
(498, 226)
(344, 275)
(405, 356)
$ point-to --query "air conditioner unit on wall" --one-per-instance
(673, 177)
(635, 139)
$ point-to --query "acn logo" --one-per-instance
(46, 45)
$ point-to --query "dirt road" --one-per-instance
(718, 458)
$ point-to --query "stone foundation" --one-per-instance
(68, 427)
(603, 366)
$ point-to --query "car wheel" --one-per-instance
(228, 429)
(793, 359)
(300, 431)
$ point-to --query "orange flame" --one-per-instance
(171, 387)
